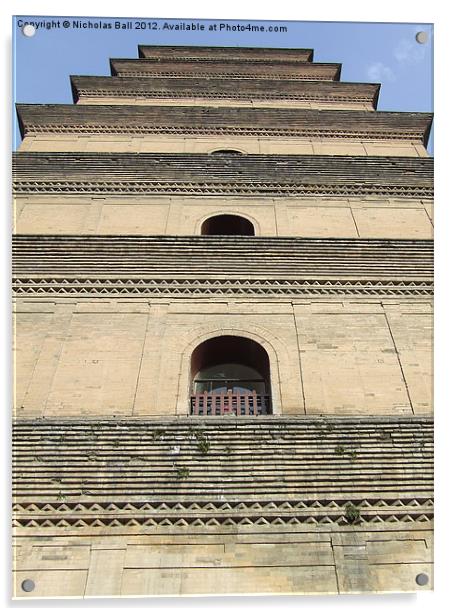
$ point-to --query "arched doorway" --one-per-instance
(227, 224)
(230, 375)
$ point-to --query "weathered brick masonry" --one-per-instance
(206, 210)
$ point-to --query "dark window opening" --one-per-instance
(227, 224)
(230, 375)
(227, 152)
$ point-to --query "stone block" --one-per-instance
(393, 223)
(51, 583)
(51, 557)
(105, 572)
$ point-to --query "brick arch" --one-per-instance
(227, 150)
(274, 348)
(251, 219)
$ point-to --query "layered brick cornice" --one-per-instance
(207, 88)
(264, 122)
(222, 174)
(186, 53)
(213, 266)
(277, 69)
(70, 473)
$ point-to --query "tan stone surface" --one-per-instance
(221, 102)
(34, 556)
(349, 364)
(381, 552)
(31, 332)
(354, 559)
(208, 556)
(321, 221)
(359, 576)
(52, 218)
(105, 357)
(179, 215)
(251, 145)
(53, 583)
(99, 365)
(393, 223)
(413, 337)
(50, 346)
(105, 572)
(134, 219)
(428, 206)
(398, 149)
(254, 580)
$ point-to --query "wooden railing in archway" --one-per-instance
(215, 404)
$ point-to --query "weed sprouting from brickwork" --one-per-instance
(340, 450)
(203, 444)
(352, 514)
(182, 472)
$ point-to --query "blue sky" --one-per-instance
(369, 52)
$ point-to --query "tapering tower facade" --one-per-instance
(223, 280)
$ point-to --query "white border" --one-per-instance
(417, 11)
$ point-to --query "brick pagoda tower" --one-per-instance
(223, 279)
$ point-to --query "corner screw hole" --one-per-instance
(28, 585)
(28, 30)
(422, 579)
(422, 37)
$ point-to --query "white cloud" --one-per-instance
(409, 52)
(380, 72)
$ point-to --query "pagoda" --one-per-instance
(223, 315)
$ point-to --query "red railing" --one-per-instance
(230, 404)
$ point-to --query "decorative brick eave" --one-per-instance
(225, 174)
(81, 286)
(213, 266)
(214, 68)
(235, 89)
(69, 473)
(262, 122)
(186, 53)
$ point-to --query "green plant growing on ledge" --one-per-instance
(352, 513)
(158, 434)
(182, 472)
(324, 427)
(138, 459)
(343, 451)
(203, 444)
(385, 436)
(61, 496)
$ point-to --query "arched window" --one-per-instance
(227, 151)
(230, 375)
(227, 224)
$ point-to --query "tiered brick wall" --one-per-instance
(275, 506)
(117, 490)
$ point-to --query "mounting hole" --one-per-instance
(28, 585)
(29, 30)
(422, 579)
(422, 37)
